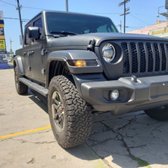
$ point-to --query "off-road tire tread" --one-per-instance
(77, 112)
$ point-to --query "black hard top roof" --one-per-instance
(51, 11)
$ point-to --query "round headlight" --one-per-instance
(108, 52)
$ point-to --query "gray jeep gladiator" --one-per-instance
(83, 65)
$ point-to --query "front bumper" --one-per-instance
(145, 93)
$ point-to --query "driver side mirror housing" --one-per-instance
(34, 33)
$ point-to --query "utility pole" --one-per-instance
(67, 7)
(126, 11)
(20, 18)
(120, 26)
(11, 51)
(165, 14)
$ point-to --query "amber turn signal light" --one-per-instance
(83, 63)
(80, 63)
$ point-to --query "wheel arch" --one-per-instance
(18, 62)
(56, 57)
(58, 67)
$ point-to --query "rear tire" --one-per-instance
(70, 116)
(159, 113)
(21, 88)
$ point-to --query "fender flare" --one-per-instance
(67, 55)
(18, 61)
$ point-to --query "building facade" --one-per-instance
(2, 39)
(159, 29)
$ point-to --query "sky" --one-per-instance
(142, 13)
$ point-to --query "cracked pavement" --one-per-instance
(127, 141)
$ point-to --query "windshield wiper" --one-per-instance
(62, 33)
(53, 35)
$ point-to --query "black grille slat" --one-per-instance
(150, 56)
(126, 68)
(154, 56)
(162, 57)
(134, 58)
(166, 52)
(130, 57)
(142, 58)
(157, 58)
(138, 57)
(145, 57)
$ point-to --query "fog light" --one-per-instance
(114, 95)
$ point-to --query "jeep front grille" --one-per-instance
(145, 57)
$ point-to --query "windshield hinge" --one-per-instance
(91, 45)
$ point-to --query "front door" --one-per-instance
(36, 56)
(36, 62)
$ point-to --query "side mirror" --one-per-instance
(34, 33)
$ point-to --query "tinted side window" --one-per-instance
(38, 23)
(27, 39)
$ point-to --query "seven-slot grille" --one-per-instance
(145, 57)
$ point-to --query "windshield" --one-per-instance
(77, 24)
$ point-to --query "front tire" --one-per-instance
(159, 113)
(70, 116)
(21, 88)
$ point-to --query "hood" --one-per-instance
(84, 39)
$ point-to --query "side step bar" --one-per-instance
(38, 88)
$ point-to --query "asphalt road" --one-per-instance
(127, 141)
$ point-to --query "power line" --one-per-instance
(107, 13)
(28, 7)
(8, 3)
(13, 18)
(139, 19)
